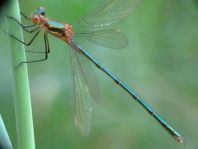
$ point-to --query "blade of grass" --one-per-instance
(5, 142)
(23, 110)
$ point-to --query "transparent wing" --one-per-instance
(110, 12)
(89, 76)
(107, 38)
(84, 86)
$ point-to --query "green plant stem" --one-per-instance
(22, 101)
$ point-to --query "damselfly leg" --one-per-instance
(26, 17)
(26, 44)
(47, 50)
(24, 27)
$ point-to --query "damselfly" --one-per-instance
(98, 27)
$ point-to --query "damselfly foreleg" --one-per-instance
(24, 27)
(26, 17)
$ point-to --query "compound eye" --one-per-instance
(41, 11)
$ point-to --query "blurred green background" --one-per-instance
(160, 64)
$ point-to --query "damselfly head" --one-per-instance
(37, 15)
(40, 11)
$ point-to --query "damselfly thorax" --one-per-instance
(57, 29)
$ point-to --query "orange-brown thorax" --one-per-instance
(57, 29)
